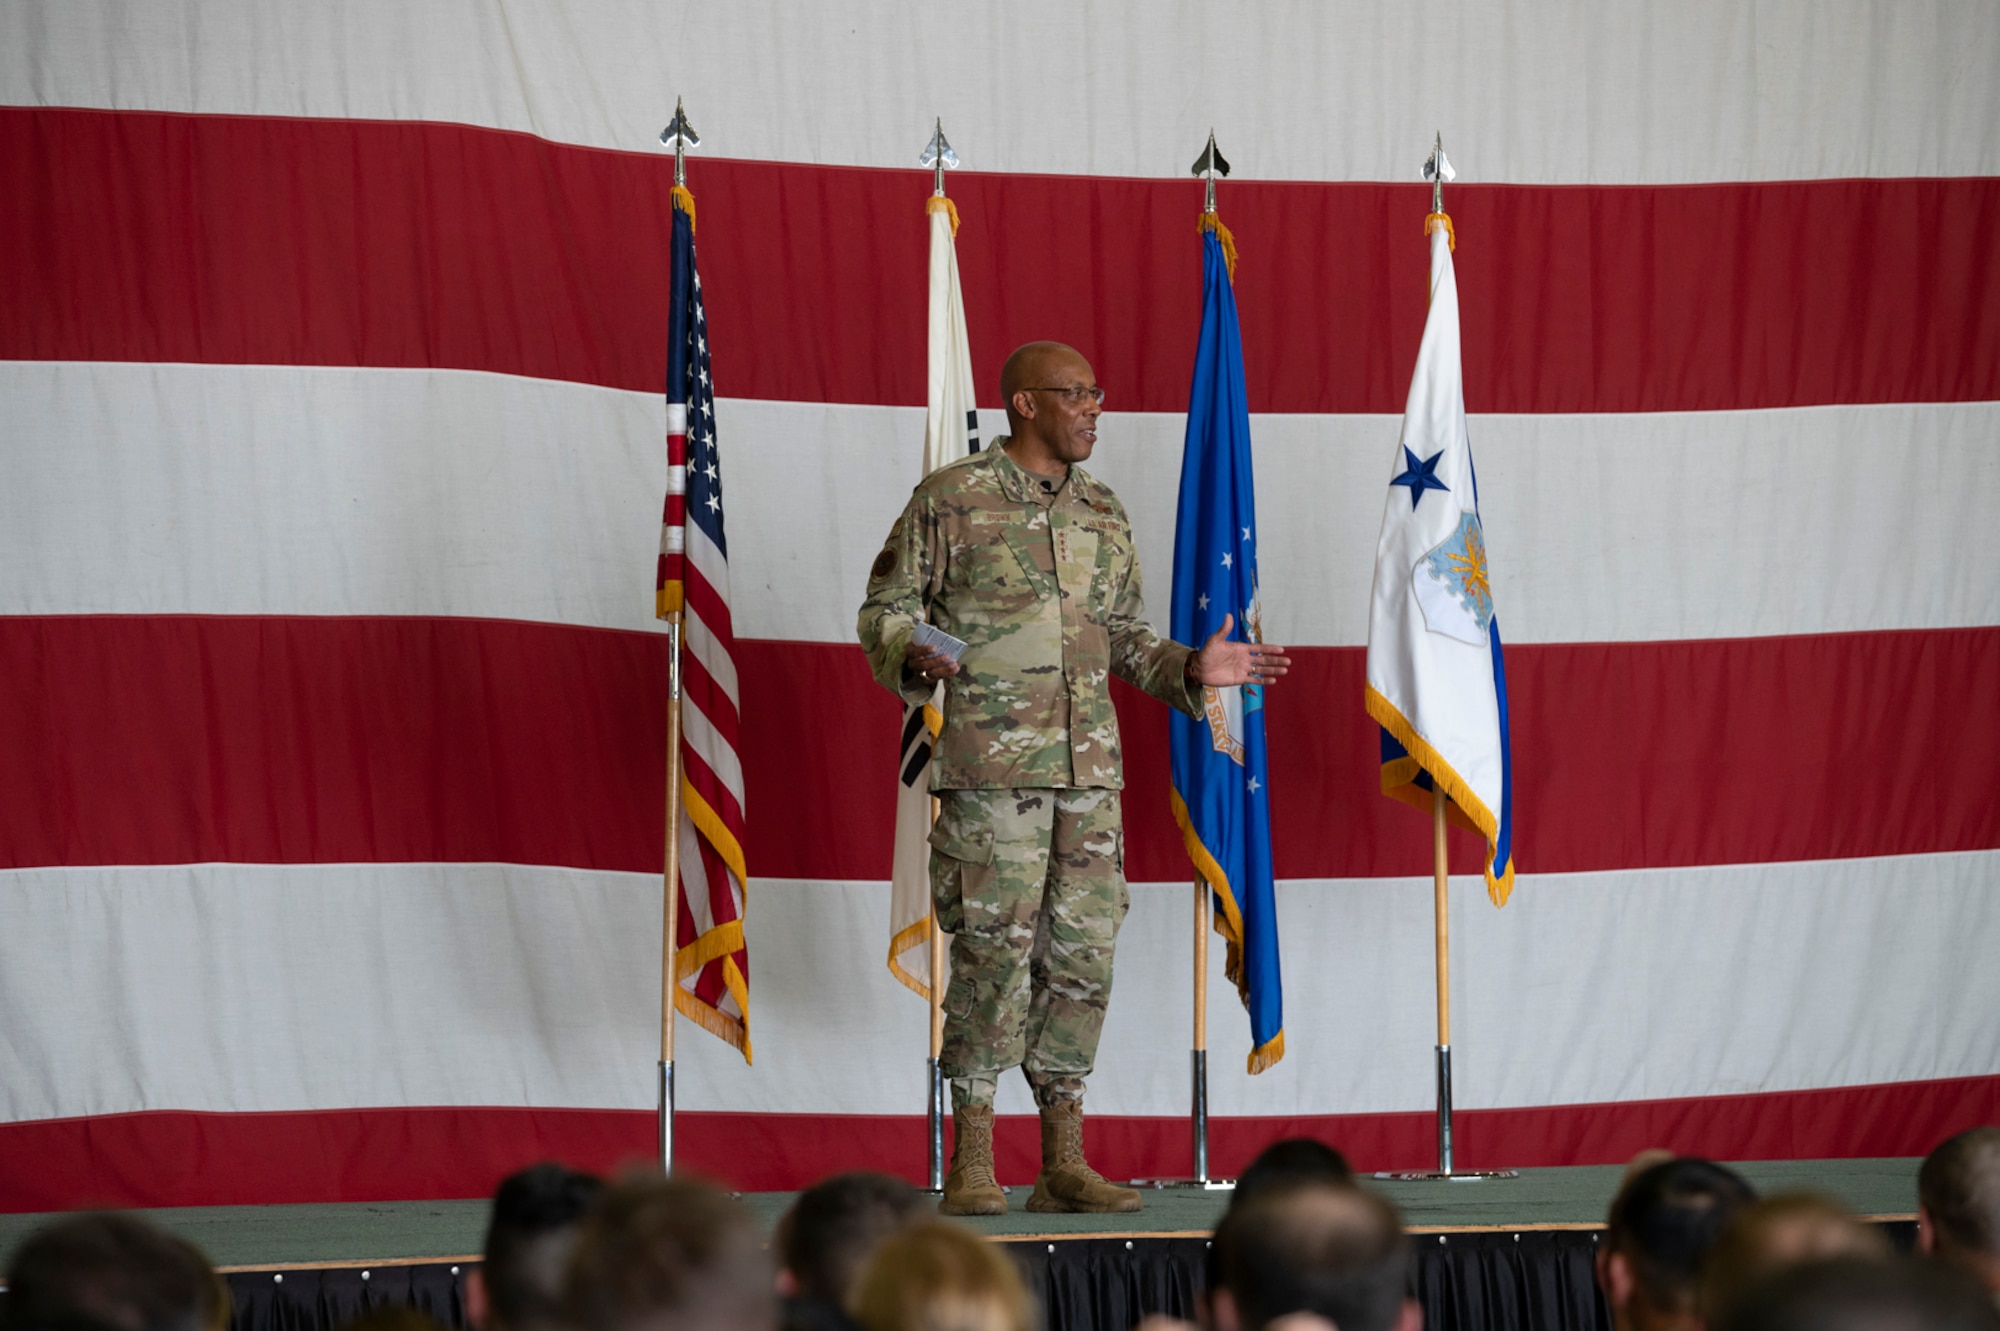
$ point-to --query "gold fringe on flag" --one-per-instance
(920, 932)
(1465, 809)
(1228, 922)
(1212, 222)
(683, 199)
(938, 203)
(1432, 221)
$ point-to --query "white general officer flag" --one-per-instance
(951, 430)
(1437, 684)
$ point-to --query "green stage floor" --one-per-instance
(385, 1233)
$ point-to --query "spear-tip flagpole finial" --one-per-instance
(1437, 170)
(680, 136)
(1208, 166)
(938, 155)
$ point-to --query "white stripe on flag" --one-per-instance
(721, 759)
(1671, 983)
(702, 643)
(694, 885)
(1788, 89)
(701, 553)
(1608, 528)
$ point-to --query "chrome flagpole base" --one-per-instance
(934, 1079)
(1199, 1117)
(1444, 1171)
(666, 1117)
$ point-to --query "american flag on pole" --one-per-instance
(713, 964)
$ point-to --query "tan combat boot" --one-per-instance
(1066, 1182)
(971, 1189)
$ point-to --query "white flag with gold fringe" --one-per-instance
(951, 430)
(1437, 679)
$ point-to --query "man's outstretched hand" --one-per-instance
(1221, 662)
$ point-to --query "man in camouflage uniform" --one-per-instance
(1030, 560)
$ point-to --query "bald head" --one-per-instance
(1053, 403)
(1030, 365)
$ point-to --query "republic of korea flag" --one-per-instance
(1436, 682)
(951, 430)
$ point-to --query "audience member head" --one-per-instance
(1283, 1163)
(536, 1216)
(1958, 1203)
(1662, 1224)
(1775, 1234)
(1334, 1250)
(834, 1227)
(114, 1272)
(939, 1276)
(1866, 1294)
(668, 1254)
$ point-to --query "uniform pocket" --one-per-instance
(961, 843)
(1024, 558)
(967, 846)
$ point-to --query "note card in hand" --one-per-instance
(938, 641)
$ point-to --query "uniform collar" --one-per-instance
(1026, 486)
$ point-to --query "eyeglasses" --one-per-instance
(1074, 394)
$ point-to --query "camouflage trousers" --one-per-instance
(1031, 886)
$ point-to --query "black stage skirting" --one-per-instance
(1505, 1280)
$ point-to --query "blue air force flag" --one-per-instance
(1436, 682)
(1220, 798)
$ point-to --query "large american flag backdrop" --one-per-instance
(331, 352)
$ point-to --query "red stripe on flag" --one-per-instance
(148, 237)
(697, 683)
(713, 608)
(186, 1159)
(160, 740)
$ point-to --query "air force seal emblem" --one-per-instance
(1225, 709)
(1451, 587)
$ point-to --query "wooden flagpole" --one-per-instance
(680, 136)
(935, 1067)
(937, 155)
(1204, 907)
(1199, 1060)
(1441, 909)
(670, 937)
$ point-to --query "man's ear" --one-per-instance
(478, 1307)
(1223, 1314)
(1927, 1243)
(1411, 1318)
(787, 1283)
(1614, 1277)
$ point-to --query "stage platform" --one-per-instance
(1491, 1254)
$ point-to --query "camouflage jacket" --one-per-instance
(1046, 596)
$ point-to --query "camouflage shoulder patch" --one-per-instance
(883, 563)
